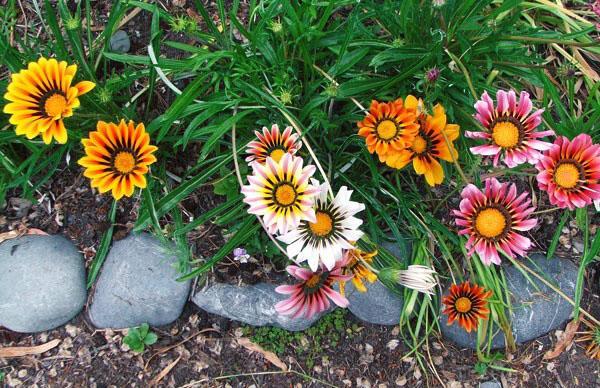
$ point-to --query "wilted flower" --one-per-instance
(357, 264)
(592, 336)
(420, 278)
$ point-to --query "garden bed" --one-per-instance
(215, 69)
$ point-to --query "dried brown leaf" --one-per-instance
(269, 356)
(164, 372)
(20, 351)
(564, 341)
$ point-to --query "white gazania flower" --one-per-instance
(281, 193)
(334, 229)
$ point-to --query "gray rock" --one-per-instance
(490, 384)
(42, 283)
(138, 285)
(535, 313)
(254, 305)
(401, 249)
(120, 42)
(378, 305)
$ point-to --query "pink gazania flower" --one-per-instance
(510, 129)
(493, 219)
(570, 172)
(272, 143)
(281, 193)
(311, 296)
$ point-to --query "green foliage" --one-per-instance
(328, 332)
(138, 338)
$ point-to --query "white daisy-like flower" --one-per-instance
(334, 229)
(281, 193)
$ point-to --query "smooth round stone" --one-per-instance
(138, 285)
(120, 42)
(42, 283)
(535, 313)
(378, 305)
(253, 305)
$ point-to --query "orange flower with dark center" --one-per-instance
(41, 96)
(434, 141)
(117, 157)
(466, 304)
(389, 127)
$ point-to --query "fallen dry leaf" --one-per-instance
(20, 351)
(18, 233)
(164, 372)
(269, 356)
(564, 341)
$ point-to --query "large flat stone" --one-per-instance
(138, 285)
(378, 305)
(253, 305)
(535, 313)
(42, 283)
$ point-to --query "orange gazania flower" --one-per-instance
(117, 157)
(466, 304)
(41, 96)
(272, 143)
(429, 145)
(389, 126)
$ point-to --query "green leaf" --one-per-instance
(150, 339)
(103, 248)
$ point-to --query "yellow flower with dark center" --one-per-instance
(434, 141)
(361, 272)
(117, 157)
(41, 96)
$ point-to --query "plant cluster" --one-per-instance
(328, 184)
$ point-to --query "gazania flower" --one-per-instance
(117, 157)
(281, 193)
(592, 336)
(389, 127)
(428, 146)
(466, 304)
(312, 294)
(570, 172)
(41, 96)
(416, 277)
(333, 229)
(354, 265)
(510, 129)
(272, 143)
(493, 219)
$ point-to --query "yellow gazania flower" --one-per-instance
(41, 96)
(429, 145)
(117, 157)
(360, 271)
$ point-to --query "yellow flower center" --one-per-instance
(285, 194)
(313, 280)
(490, 222)
(419, 145)
(566, 175)
(55, 105)
(277, 154)
(323, 226)
(463, 304)
(386, 130)
(124, 162)
(505, 134)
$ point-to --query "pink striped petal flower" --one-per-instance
(570, 172)
(509, 129)
(313, 293)
(493, 218)
(281, 193)
(272, 143)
